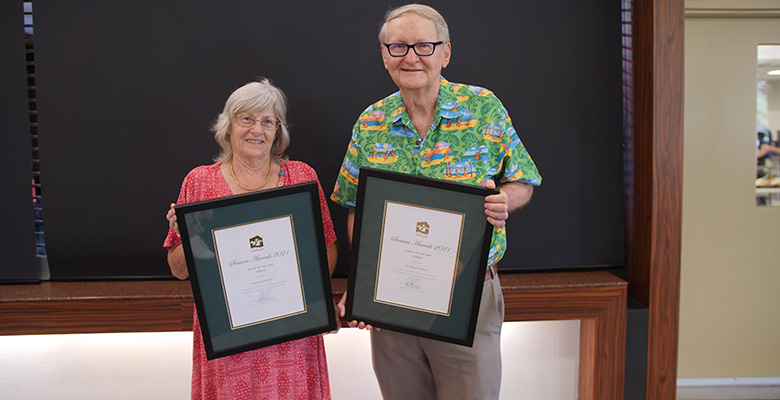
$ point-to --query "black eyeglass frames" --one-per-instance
(422, 49)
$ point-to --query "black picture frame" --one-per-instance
(199, 224)
(376, 190)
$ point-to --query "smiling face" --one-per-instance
(412, 72)
(252, 144)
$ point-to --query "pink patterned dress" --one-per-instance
(291, 370)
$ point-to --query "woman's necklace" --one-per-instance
(232, 172)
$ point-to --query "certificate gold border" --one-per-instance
(297, 263)
(377, 186)
(455, 267)
(302, 201)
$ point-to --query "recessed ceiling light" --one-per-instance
(774, 72)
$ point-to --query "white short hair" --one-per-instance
(253, 97)
(427, 12)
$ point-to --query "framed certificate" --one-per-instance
(258, 268)
(419, 253)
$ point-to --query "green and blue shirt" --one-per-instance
(471, 139)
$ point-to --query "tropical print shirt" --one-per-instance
(470, 139)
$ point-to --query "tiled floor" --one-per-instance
(729, 393)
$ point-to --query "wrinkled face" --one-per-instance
(412, 72)
(252, 142)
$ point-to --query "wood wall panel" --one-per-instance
(597, 298)
(96, 316)
(95, 307)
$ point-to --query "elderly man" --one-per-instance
(430, 114)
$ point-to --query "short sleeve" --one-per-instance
(173, 239)
(516, 164)
(345, 190)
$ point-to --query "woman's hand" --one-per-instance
(171, 217)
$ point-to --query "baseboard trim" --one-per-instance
(715, 382)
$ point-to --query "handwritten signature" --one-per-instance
(265, 295)
(413, 282)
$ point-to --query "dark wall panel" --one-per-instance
(17, 231)
(127, 91)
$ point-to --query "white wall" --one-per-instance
(540, 361)
(730, 297)
(774, 105)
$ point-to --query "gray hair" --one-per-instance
(427, 12)
(251, 98)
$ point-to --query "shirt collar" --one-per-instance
(447, 105)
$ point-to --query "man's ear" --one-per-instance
(385, 56)
(447, 54)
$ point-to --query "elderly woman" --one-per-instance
(252, 132)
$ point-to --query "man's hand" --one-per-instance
(342, 306)
(512, 196)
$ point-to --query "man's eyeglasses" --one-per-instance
(422, 49)
(248, 121)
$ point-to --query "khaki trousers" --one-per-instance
(414, 368)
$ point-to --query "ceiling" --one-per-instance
(768, 59)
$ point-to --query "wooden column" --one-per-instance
(655, 185)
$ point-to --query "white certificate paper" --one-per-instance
(418, 257)
(261, 276)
